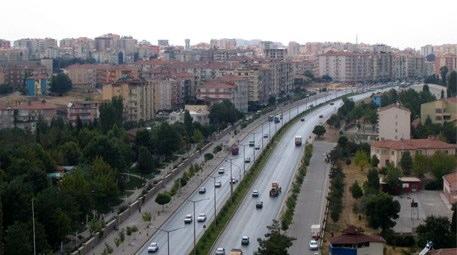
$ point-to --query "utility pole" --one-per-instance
(194, 219)
(33, 228)
(231, 180)
(244, 159)
(254, 145)
(262, 136)
(214, 189)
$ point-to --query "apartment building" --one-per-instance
(137, 95)
(26, 115)
(165, 93)
(448, 59)
(394, 123)
(391, 151)
(440, 111)
(86, 111)
(346, 66)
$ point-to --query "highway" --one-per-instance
(280, 168)
(181, 236)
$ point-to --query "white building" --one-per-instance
(394, 123)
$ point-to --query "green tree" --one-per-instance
(223, 113)
(275, 243)
(319, 130)
(2, 247)
(361, 159)
(111, 150)
(188, 124)
(392, 179)
(442, 164)
(454, 219)
(60, 84)
(452, 84)
(421, 165)
(77, 185)
(437, 230)
(111, 113)
(372, 181)
(71, 153)
(356, 190)
(406, 163)
(374, 161)
(145, 161)
(381, 210)
(163, 198)
(104, 184)
(197, 136)
(443, 71)
(169, 141)
(19, 239)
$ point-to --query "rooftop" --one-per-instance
(452, 180)
(448, 251)
(353, 235)
(413, 144)
(397, 105)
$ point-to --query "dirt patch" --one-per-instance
(331, 134)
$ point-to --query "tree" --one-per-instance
(374, 161)
(326, 78)
(454, 219)
(442, 164)
(372, 181)
(104, 183)
(188, 124)
(145, 163)
(393, 183)
(169, 140)
(443, 71)
(356, 190)
(437, 230)
(19, 239)
(452, 84)
(275, 242)
(421, 165)
(381, 210)
(223, 113)
(197, 136)
(361, 159)
(71, 153)
(406, 163)
(163, 198)
(2, 247)
(60, 84)
(111, 113)
(319, 130)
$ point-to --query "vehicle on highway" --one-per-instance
(236, 252)
(259, 205)
(265, 136)
(315, 231)
(277, 119)
(270, 118)
(332, 103)
(275, 189)
(235, 149)
(202, 190)
(221, 170)
(311, 106)
(255, 193)
(313, 245)
(302, 119)
(247, 160)
(245, 240)
(217, 184)
(188, 219)
(233, 180)
(251, 143)
(153, 248)
(201, 217)
(220, 251)
(298, 140)
(257, 148)
(280, 116)
(321, 116)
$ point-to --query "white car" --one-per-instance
(217, 184)
(201, 217)
(221, 170)
(255, 193)
(188, 219)
(313, 245)
(153, 248)
(220, 251)
(202, 190)
(233, 180)
(245, 240)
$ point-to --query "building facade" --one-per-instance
(394, 123)
(440, 111)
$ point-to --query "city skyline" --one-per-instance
(401, 25)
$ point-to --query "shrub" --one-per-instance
(208, 156)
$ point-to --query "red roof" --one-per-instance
(449, 251)
(353, 235)
(413, 144)
(452, 100)
(452, 180)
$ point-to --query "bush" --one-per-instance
(208, 156)
(217, 149)
(433, 185)
(400, 240)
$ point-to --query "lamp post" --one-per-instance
(195, 232)
(168, 236)
(214, 189)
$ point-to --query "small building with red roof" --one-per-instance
(354, 242)
(450, 187)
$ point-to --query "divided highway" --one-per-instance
(181, 235)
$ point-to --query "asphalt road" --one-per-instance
(182, 236)
(280, 168)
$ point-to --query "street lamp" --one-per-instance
(214, 189)
(195, 232)
(168, 236)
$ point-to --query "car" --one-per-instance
(259, 205)
(201, 217)
(188, 219)
(302, 119)
(265, 136)
(217, 184)
(220, 251)
(332, 103)
(221, 170)
(313, 245)
(247, 160)
(321, 116)
(153, 248)
(251, 143)
(233, 180)
(255, 193)
(202, 190)
(257, 148)
(245, 240)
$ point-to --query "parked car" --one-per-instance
(153, 248)
(321, 116)
(259, 205)
(245, 240)
(332, 103)
(257, 148)
(221, 170)
(201, 217)
(255, 193)
(202, 190)
(313, 245)
(188, 219)
(247, 160)
(302, 119)
(217, 184)
(233, 180)
(265, 136)
(220, 251)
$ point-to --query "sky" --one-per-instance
(399, 23)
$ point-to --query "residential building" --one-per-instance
(36, 86)
(199, 113)
(275, 53)
(86, 111)
(440, 111)
(16, 74)
(293, 49)
(107, 42)
(354, 241)
(5, 44)
(232, 88)
(448, 59)
(165, 94)
(450, 187)
(227, 44)
(137, 95)
(348, 67)
(163, 43)
(394, 123)
(391, 151)
(26, 115)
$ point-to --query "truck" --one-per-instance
(298, 140)
(235, 149)
(236, 252)
(251, 143)
(315, 231)
(275, 189)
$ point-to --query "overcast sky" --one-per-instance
(400, 23)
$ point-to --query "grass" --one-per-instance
(213, 231)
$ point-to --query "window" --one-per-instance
(393, 153)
